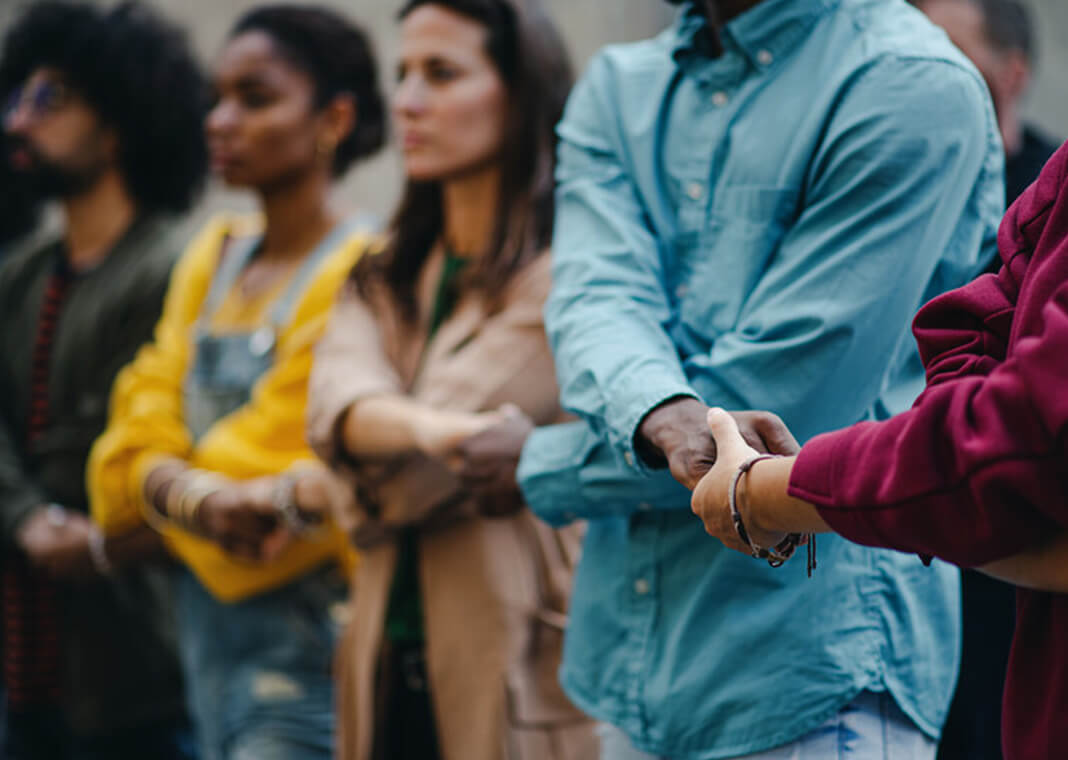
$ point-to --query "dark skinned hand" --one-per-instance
(241, 517)
(486, 463)
(676, 434)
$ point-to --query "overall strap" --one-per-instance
(282, 309)
(226, 275)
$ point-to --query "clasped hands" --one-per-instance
(483, 450)
(704, 448)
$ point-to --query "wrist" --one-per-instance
(668, 426)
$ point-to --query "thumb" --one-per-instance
(729, 442)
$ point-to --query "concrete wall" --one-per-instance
(586, 24)
(1047, 104)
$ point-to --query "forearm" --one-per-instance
(768, 506)
(1044, 568)
(383, 426)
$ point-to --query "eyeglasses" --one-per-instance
(40, 99)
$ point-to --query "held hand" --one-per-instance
(676, 434)
(711, 501)
(441, 432)
(242, 518)
(487, 461)
(321, 496)
(56, 540)
(766, 433)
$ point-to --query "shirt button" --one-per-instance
(764, 57)
(719, 99)
(628, 458)
(695, 190)
(641, 587)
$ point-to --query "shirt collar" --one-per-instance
(764, 33)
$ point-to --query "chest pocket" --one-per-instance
(224, 370)
(724, 261)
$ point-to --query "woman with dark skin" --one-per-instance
(205, 440)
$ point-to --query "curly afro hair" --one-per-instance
(338, 57)
(137, 73)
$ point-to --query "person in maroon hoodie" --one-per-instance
(975, 473)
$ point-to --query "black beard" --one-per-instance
(48, 179)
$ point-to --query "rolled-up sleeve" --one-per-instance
(350, 363)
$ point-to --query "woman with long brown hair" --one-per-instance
(436, 353)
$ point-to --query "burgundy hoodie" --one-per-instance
(977, 470)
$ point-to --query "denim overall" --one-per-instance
(258, 671)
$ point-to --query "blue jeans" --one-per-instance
(871, 727)
(259, 671)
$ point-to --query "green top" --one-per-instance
(404, 617)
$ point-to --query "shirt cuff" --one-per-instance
(549, 471)
(630, 405)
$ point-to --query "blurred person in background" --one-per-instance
(461, 593)
(999, 37)
(101, 112)
(205, 440)
(751, 207)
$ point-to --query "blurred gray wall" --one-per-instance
(586, 25)
(1048, 102)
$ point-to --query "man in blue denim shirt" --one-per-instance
(749, 213)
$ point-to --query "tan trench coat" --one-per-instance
(494, 590)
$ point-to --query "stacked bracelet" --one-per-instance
(783, 550)
(192, 497)
(182, 498)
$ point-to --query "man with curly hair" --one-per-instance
(102, 111)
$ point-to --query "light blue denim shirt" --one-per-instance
(756, 230)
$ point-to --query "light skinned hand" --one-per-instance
(442, 431)
(321, 496)
(711, 501)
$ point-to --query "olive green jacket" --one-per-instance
(121, 664)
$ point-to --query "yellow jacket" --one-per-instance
(263, 437)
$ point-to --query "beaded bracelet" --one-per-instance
(782, 551)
